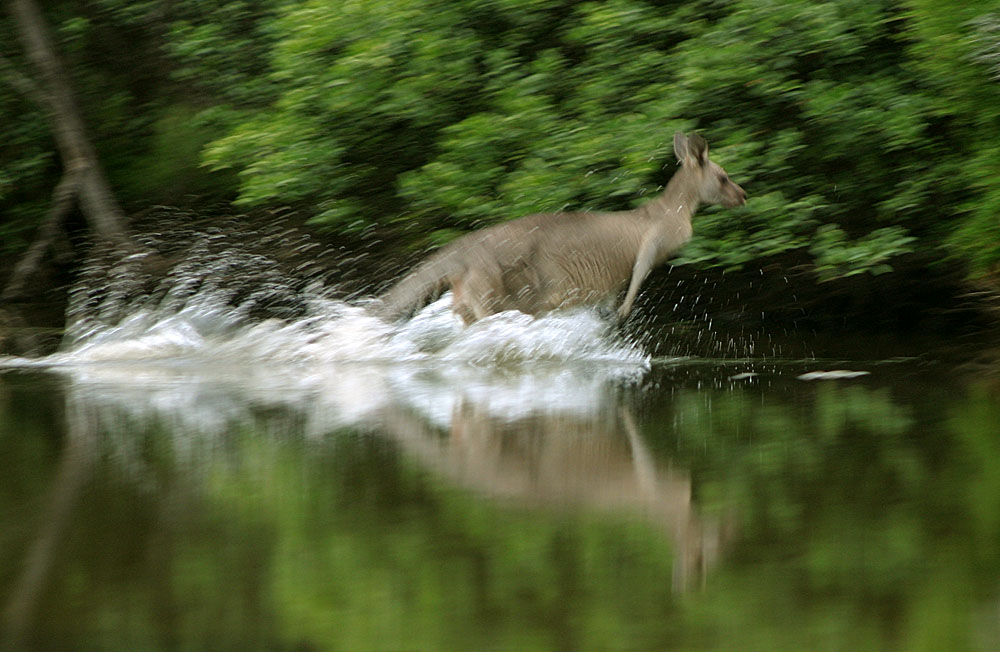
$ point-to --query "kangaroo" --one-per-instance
(563, 459)
(546, 261)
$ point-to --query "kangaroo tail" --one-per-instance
(415, 290)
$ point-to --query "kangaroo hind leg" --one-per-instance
(473, 297)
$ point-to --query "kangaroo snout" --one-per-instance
(734, 196)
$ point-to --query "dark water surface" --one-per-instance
(695, 505)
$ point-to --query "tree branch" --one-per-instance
(96, 199)
(62, 201)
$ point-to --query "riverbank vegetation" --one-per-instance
(867, 134)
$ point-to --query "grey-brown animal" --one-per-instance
(546, 261)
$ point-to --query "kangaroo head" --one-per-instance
(711, 182)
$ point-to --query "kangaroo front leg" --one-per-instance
(644, 262)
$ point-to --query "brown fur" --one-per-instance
(547, 261)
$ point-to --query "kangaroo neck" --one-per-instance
(678, 201)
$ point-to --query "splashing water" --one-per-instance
(232, 324)
(336, 331)
(235, 298)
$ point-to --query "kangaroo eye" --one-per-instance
(723, 178)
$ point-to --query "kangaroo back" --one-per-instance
(546, 261)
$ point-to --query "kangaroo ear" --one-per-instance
(698, 149)
(680, 146)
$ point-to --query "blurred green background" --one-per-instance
(863, 130)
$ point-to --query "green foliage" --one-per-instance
(836, 257)
(956, 50)
(25, 157)
(148, 108)
(24, 163)
(450, 116)
(861, 130)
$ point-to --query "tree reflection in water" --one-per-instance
(422, 507)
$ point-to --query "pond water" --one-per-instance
(183, 479)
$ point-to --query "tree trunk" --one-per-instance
(90, 187)
(76, 464)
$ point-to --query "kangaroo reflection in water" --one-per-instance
(551, 439)
(565, 460)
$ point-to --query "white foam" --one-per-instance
(337, 331)
(196, 364)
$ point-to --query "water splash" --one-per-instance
(237, 322)
(343, 366)
(230, 295)
(339, 331)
